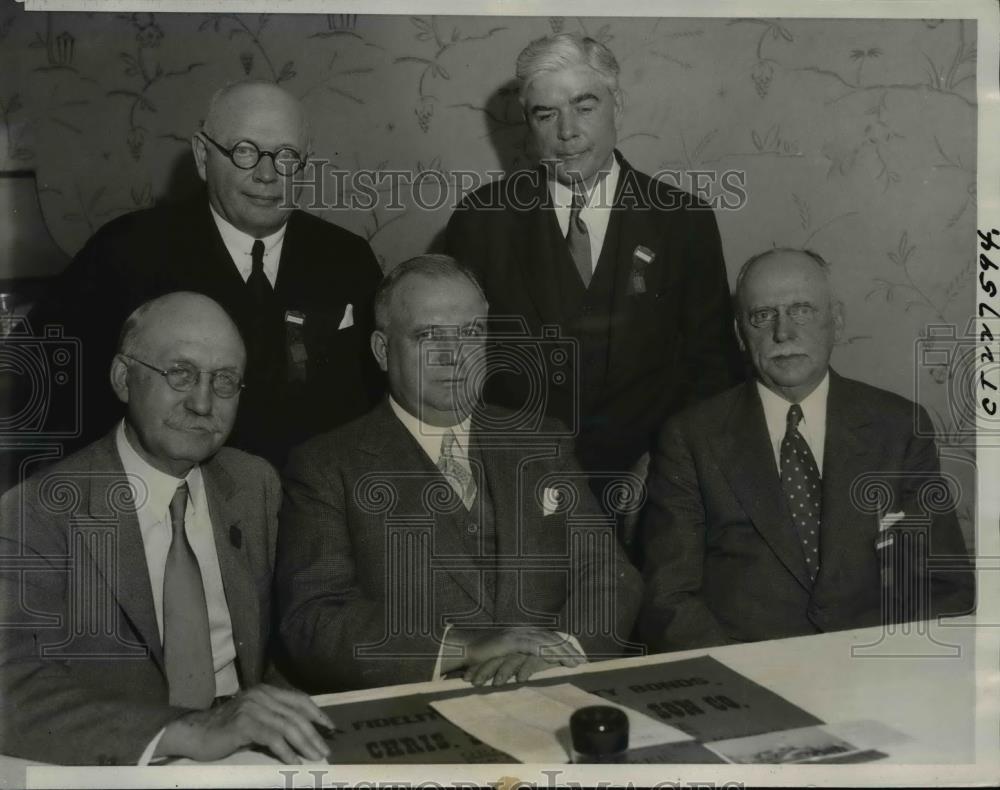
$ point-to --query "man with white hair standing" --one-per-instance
(628, 268)
(299, 288)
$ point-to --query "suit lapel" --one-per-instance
(846, 457)
(237, 580)
(393, 449)
(746, 457)
(124, 568)
(627, 229)
(498, 476)
(537, 231)
(208, 259)
(292, 259)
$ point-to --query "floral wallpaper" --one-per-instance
(856, 137)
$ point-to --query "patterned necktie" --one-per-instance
(455, 471)
(801, 481)
(578, 240)
(187, 640)
(257, 282)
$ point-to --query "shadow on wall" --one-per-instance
(508, 134)
(183, 183)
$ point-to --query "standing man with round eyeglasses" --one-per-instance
(299, 288)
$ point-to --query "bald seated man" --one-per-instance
(758, 524)
(302, 301)
(135, 575)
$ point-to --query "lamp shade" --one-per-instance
(27, 249)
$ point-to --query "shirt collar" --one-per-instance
(776, 407)
(236, 239)
(429, 436)
(602, 196)
(152, 489)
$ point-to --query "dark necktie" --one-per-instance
(187, 639)
(578, 240)
(801, 481)
(257, 282)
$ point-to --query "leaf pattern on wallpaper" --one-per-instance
(875, 136)
(234, 27)
(762, 73)
(944, 78)
(903, 288)
(432, 70)
(807, 222)
(145, 70)
(768, 142)
(949, 162)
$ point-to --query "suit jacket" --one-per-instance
(376, 555)
(95, 691)
(656, 350)
(145, 254)
(723, 560)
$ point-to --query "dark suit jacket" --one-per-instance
(374, 558)
(145, 254)
(723, 560)
(70, 540)
(659, 350)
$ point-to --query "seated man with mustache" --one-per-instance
(135, 575)
(754, 527)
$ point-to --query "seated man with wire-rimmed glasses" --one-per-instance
(300, 289)
(802, 501)
(135, 575)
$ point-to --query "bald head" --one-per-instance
(788, 319)
(258, 200)
(232, 105)
(174, 353)
(181, 315)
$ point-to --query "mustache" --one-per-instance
(787, 352)
(209, 425)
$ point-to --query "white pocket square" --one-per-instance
(551, 499)
(348, 319)
(889, 519)
(884, 523)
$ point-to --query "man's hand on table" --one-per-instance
(283, 720)
(499, 655)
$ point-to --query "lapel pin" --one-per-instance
(641, 258)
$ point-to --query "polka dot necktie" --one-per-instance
(801, 481)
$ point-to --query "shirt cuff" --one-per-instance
(440, 657)
(150, 750)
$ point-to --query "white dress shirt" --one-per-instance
(812, 427)
(153, 513)
(429, 438)
(596, 213)
(240, 245)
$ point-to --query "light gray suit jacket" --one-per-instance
(81, 662)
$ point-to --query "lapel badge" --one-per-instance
(641, 258)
